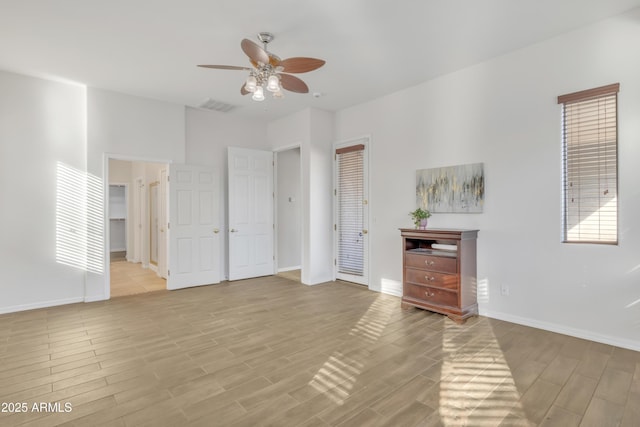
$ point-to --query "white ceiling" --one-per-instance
(150, 48)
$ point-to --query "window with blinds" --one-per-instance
(590, 165)
(350, 209)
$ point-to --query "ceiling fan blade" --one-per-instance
(225, 67)
(301, 65)
(293, 84)
(254, 52)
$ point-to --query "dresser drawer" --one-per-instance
(432, 263)
(430, 278)
(431, 295)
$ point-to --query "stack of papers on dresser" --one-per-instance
(444, 247)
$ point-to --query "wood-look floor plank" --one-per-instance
(614, 386)
(577, 393)
(560, 417)
(601, 412)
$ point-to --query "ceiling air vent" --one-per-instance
(212, 104)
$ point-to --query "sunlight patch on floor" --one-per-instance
(477, 387)
(336, 377)
(339, 373)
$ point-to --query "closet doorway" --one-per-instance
(288, 186)
(141, 267)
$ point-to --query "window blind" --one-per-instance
(350, 194)
(590, 165)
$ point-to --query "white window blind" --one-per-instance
(350, 195)
(590, 165)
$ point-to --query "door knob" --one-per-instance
(233, 230)
(216, 231)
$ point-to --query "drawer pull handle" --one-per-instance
(430, 262)
(429, 279)
(429, 294)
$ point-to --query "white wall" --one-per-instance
(312, 130)
(504, 113)
(131, 128)
(319, 170)
(209, 133)
(289, 209)
(42, 126)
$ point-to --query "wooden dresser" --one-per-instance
(439, 271)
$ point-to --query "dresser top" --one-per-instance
(458, 233)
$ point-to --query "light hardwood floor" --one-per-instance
(294, 275)
(271, 351)
(128, 278)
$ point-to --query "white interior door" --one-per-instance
(194, 239)
(251, 226)
(352, 212)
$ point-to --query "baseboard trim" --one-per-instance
(561, 329)
(37, 305)
(393, 292)
(282, 270)
(95, 298)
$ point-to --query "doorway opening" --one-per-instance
(137, 226)
(288, 214)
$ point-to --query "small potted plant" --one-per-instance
(419, 217)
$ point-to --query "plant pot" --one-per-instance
(423, 224)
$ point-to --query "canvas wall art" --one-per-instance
(457, 189)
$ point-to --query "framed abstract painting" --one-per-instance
(451, 189)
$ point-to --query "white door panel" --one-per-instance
(194, 227)
(250, 213)
(352, 211)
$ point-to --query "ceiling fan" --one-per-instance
(269, 72)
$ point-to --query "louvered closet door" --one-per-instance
(351, 213)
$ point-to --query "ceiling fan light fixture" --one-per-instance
(267, 72)
(273, 83)
(258, 94)
(251, 84)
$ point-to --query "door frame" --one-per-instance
(366, 140)
(105, 210)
